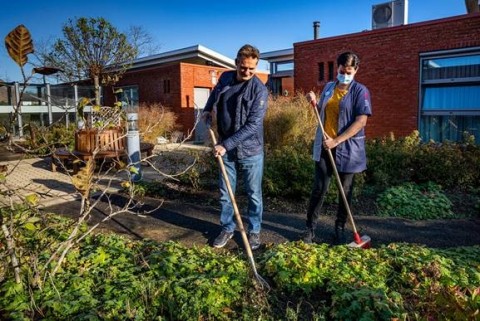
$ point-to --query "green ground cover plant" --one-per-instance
(109, 277)
(418, 202)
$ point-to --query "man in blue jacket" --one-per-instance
(240, 102)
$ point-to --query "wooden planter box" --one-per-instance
(98, 144)
(104, 143)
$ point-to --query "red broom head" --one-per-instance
(357, 238)
(363, 242)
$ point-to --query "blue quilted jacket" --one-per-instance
(247, 138)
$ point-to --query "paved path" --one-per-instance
(34, 175)
(192, 223)
(189, 222)
(28, 176)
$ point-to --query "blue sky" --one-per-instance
(222, 26)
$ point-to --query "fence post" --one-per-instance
(75, 102)
(49, 106)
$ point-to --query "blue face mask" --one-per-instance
(344, 78)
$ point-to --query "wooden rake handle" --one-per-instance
(238, 217)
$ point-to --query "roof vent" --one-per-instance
(390, 14)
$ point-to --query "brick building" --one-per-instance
(422, 76)
(180, 80)
(280, 80)
(5, 94)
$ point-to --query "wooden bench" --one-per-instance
(89, 143)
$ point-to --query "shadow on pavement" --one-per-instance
(192, 224)
(54, 184)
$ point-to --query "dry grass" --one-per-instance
(155, 120)
(289, 121)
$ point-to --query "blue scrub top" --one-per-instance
(350, 156)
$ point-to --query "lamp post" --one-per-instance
(133, 143)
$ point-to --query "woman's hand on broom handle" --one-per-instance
(311, 98)
(328, 142)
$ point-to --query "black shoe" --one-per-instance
(222, 239)
(308, 236)
(339, 236)
(254, 240)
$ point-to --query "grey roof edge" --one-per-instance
(284, 54)
(184, 53)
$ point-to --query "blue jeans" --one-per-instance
(252, 173)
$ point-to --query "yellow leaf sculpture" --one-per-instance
(19, 44)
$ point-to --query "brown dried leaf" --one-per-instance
(83, 180)
(19, 44)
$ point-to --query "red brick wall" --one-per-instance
(150, 84)
(183, 78)
(389, 65)
(197, 76)
(194, 76)
(263, 77)
(287, 84)
(4, 95)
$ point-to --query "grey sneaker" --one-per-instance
(222, 239)
(254, 240)
(308, 236)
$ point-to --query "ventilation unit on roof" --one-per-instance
(389, 14)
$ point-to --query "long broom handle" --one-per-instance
(235, 207)
(337, 176)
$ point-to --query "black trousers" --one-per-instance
(323, 175)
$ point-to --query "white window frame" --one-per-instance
(454, 113)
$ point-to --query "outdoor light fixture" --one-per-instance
(213, 75)
(133, 143)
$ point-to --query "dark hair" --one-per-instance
(348, 59)
(248, 51)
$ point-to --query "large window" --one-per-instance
(282, 66)
(278, 71)
(450, 95)
(128, 96)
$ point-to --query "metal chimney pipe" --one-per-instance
(316, 29)
(472, 6)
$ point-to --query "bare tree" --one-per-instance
(142, 40)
